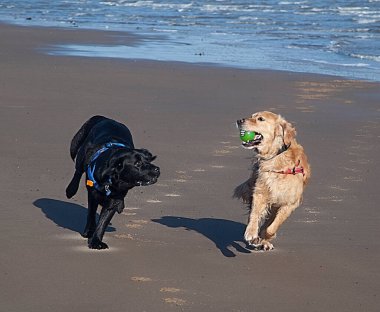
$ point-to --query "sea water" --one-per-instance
(339, 37)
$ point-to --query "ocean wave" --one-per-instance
(345, 32)
(149, 4)
(336, 64)
(366, 57)
(367, 21)
(291, 2)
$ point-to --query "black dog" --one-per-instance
(103, 148)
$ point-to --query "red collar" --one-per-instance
(296, 169)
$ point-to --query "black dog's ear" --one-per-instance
(148, 155)
(112, 169)
(110, 172)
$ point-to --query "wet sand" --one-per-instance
(178, 246)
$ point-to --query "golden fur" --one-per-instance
(278, 178)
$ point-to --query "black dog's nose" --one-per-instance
(240, 121)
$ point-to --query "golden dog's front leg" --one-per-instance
(270, 232)
(258, 209)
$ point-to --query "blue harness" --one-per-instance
(91, 182)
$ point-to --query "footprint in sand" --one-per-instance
(338, 188)
(172, 300)
(180, 180)
(129, 211)
(306, 109)
(232, 147)
(227, 144)
(124, 236)
(217, 166)
(331, 198)
(172, 195)
(351, 169)
(353, 179)
(153, 201)
(312, 210)
(182, 176)
(361, 161)
(141, 279)
(199, 170)
(162, 185)
(307, 221)
(136, 224)
(176, 301)
(170, 290)
(166, 290)
(71, 236)
(221, 152)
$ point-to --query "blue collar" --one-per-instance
(91, 182)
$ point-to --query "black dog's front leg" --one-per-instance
(91, 216)
(108, 211)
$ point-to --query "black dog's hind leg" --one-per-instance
(108, 211)
(91, 217)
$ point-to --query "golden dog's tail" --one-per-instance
(244, 191)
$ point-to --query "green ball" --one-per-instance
(247, 136)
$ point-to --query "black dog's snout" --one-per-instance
(240, 121)
(156, 170)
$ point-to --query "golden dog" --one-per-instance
(280, 173)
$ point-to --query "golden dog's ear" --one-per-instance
(289, 132)
(286, 130)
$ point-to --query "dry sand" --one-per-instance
(179, 246)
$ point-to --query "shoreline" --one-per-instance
(179, 243)
(112, 44)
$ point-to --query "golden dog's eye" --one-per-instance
(261, 119)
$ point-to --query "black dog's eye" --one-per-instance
(119, 165)
(261, 119)
(138, 163)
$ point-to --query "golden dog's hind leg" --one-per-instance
(270, 231)
(258, 211)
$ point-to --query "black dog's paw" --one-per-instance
(96, 243)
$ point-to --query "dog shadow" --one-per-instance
(225, 234)
(66, 215)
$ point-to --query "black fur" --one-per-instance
(118, 169)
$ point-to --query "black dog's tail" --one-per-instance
(82, 133)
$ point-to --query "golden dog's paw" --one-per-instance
(257, 242)
(251, 237)
(266, 245)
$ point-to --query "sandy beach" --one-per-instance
(178, 245)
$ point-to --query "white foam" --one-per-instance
(337, 64)
(367, 57)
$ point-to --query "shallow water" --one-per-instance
(330, 37)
